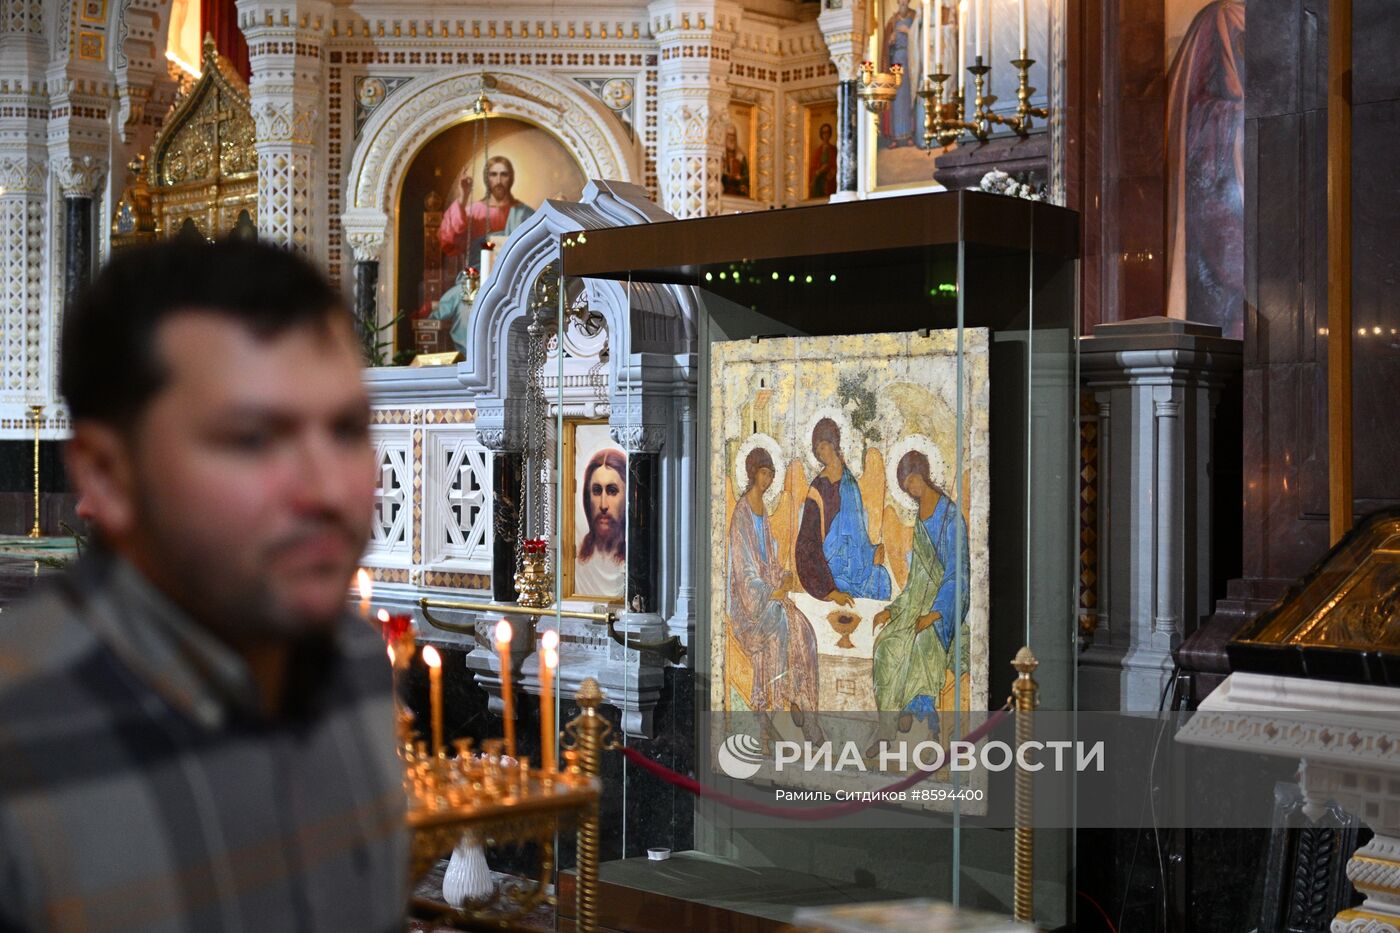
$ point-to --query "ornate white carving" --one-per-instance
(392, 528)
(457, 511)
(22, 175)
(284, 121)
(21, 277)
(79, 176)
(284, 194)
(843, 29)
(640, 438)
(1345, 735)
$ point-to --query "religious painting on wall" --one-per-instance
(464, 193)
(849, 563)
(819, 146)
(897, 153)
(595, 525)
(740, 151)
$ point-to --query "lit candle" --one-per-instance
(549, 663)
(434, 662)
(366, 588)
(925, 47)
(503, 637)
(1024, 45)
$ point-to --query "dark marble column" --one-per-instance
(642, 528)
(505, 495)
(366, 296)
(846, 158)
(77, 247)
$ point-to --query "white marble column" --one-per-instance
(25, 368)
(692, 92)
(285, 44)
(1160, 378)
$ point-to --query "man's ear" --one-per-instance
(99, 465)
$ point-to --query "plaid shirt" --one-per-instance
(141, 789)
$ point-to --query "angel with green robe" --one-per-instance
(914, 640)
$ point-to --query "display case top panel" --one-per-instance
(837, 235)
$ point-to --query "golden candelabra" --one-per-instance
(34, 412)
(946, 120)
(1024, 693)
(504, 801)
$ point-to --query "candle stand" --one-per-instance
(505, 801)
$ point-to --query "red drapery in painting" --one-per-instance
(220, 18)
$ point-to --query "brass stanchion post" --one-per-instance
(1024, 693)
(34, 412)
(589, 732)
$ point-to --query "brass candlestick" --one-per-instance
(1021, 122)
(947, 129)
(34, 412)
(1025, 693)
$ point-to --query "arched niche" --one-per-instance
(424, 107)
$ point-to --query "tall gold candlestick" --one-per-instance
(549, 663)
(434, 662)
(35, 411)
(503, 638)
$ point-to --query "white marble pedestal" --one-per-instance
(1347, 740)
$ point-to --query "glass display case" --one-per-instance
(820, 466)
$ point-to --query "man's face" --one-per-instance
(500, 179)
(824, 133)
(731, 139)
(605, 503)
(251, 478)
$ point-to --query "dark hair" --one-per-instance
(111, 368)
(757, 459)
(615, 460)
(826, 430)
(913, 463)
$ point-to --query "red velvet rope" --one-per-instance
(827, 812)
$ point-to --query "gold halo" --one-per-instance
(741, 476)
(937, 470)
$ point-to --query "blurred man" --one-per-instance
(192, 734)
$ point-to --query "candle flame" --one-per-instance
(431, 656)
(393, 658)
(383, 615)
(503, 632)
(364, 585)
(550, 639)
(551, 659)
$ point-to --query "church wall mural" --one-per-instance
(850, 563)
(466, 190)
